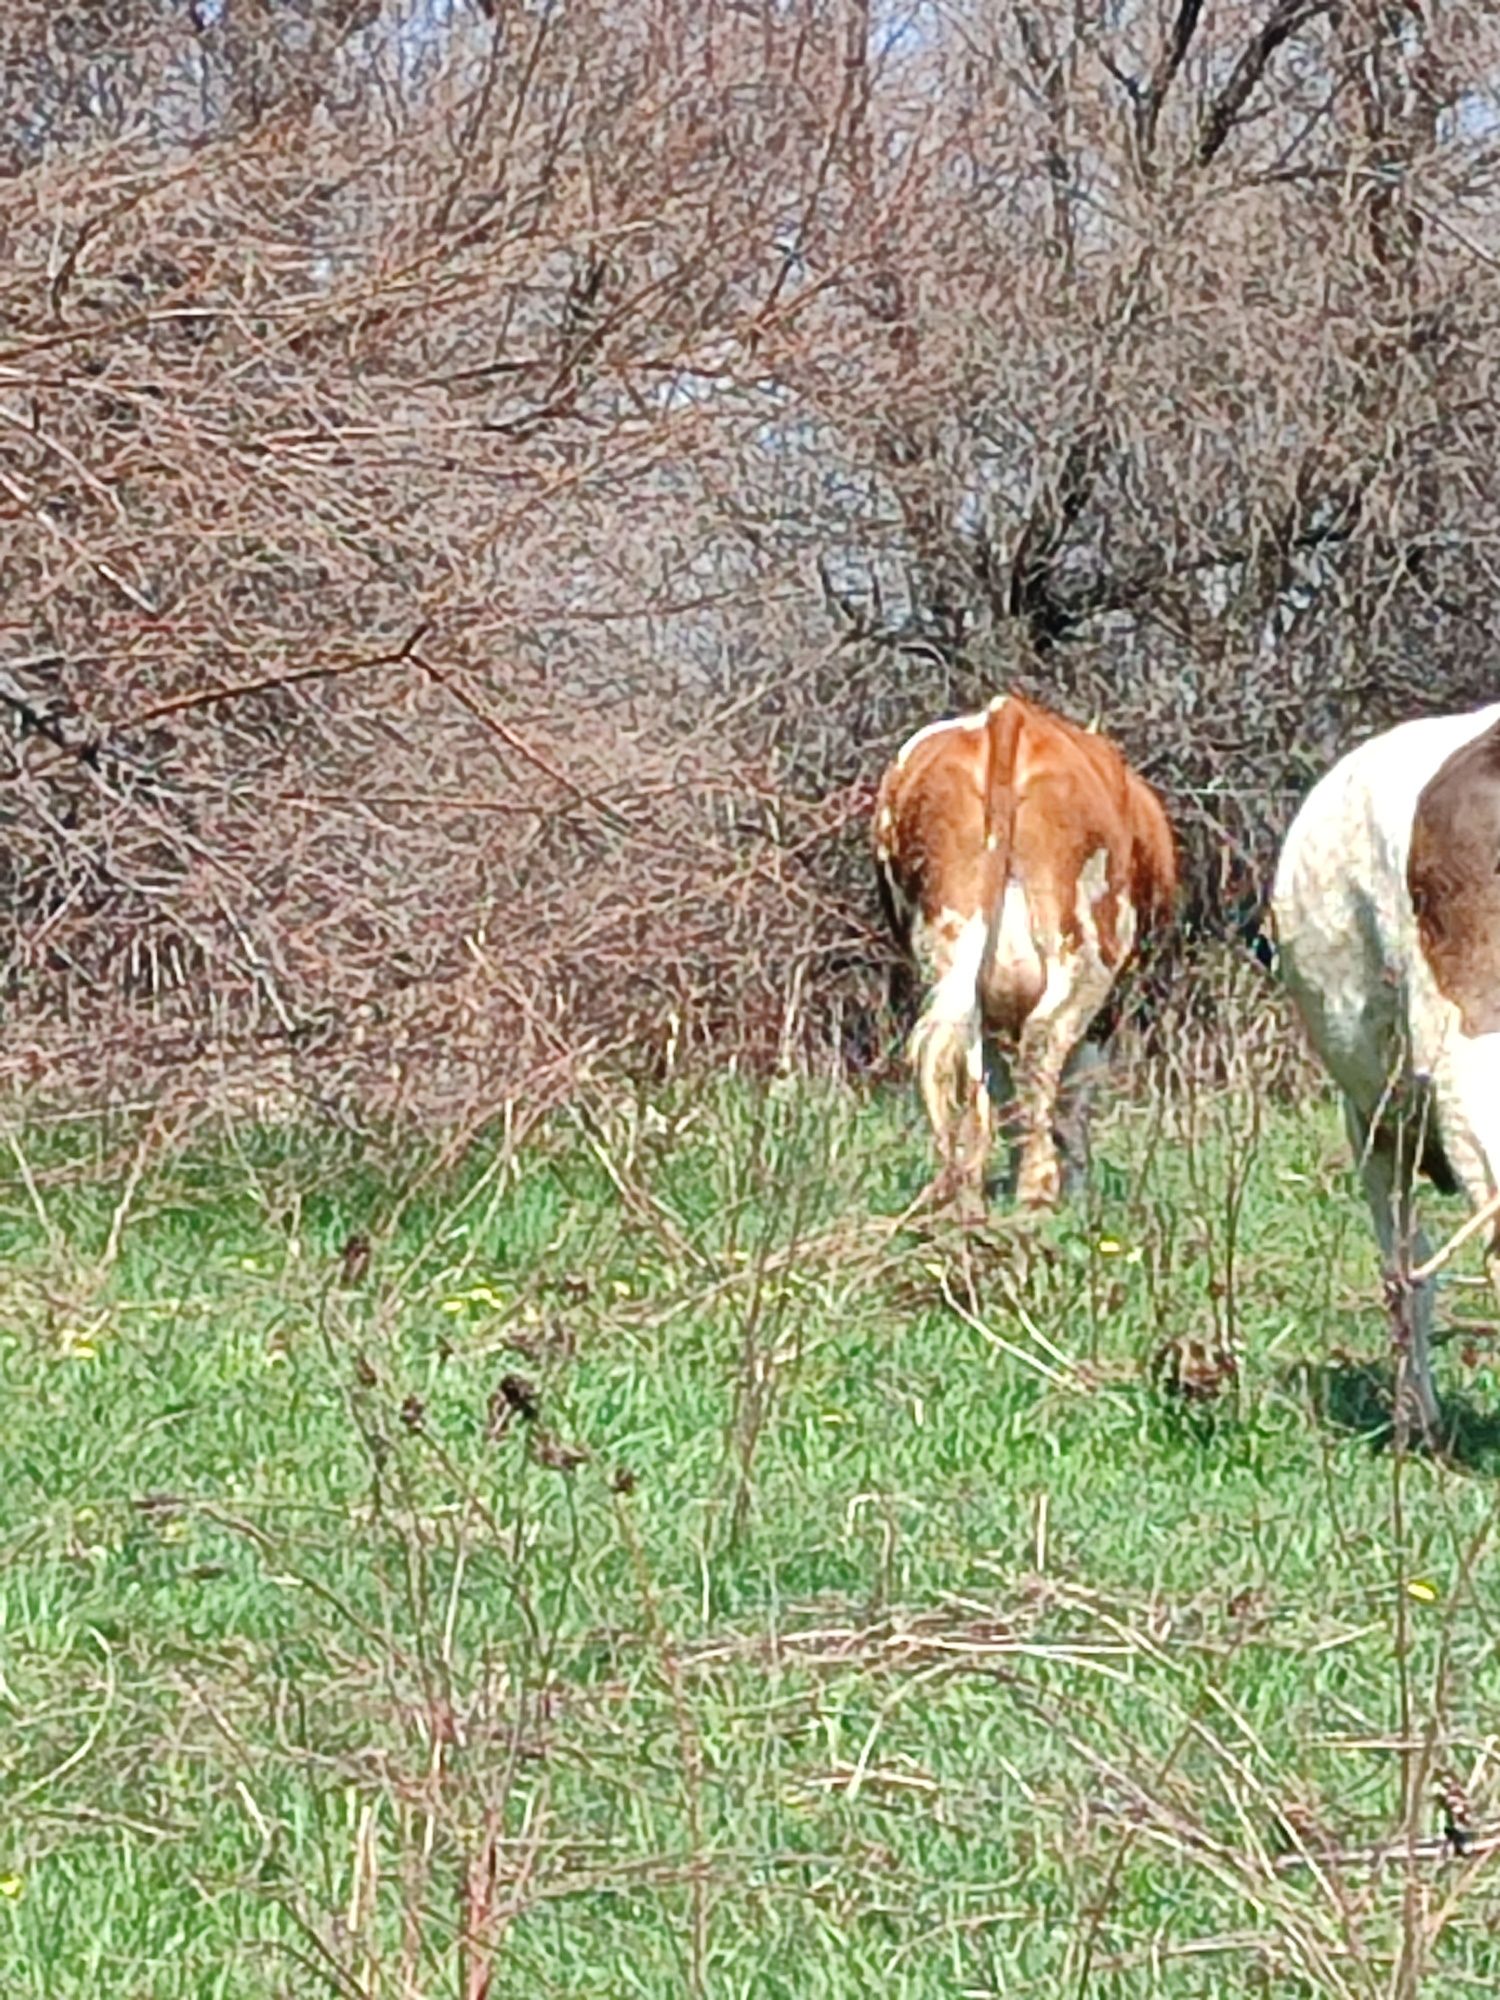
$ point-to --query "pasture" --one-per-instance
(640, 1553)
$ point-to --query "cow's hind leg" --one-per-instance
(1077, 986)
(946, 1049)
(1466, 1092)
(1388, 1170)
(977, 1120)
(1086, 1069)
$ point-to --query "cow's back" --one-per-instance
(1345, 927)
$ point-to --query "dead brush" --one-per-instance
(1196, 1384)
(936, 1248)
(1193, 1371)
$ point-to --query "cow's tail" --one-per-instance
(1004, 731)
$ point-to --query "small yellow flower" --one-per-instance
(453, 1305)
(1108, 1247)
(174, 1531)
(1422, 1591)
(11, 1886)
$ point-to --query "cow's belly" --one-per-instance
(1351, 1013)
(1371, 1010)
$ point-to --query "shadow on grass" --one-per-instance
(1358, 1396)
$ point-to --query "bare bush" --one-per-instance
(486, 489)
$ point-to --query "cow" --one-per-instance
(1386, 918)
(1020, 860)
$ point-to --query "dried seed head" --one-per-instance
(1457, 1813)
(355, 1260)
(553, 1452)
(520, 1395)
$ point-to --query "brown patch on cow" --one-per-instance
(1453, 874)
(931, 821)
(1026, 796)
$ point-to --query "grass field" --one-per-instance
(643, 1557)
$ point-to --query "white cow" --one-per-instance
(1386, 911)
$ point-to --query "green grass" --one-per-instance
(859, 1611)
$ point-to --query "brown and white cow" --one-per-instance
(1020, 859)
(1386, 912)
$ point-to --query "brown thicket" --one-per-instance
(486, 486)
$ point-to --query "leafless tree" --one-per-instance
(486, 487)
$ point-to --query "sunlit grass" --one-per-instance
(652, 1559)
